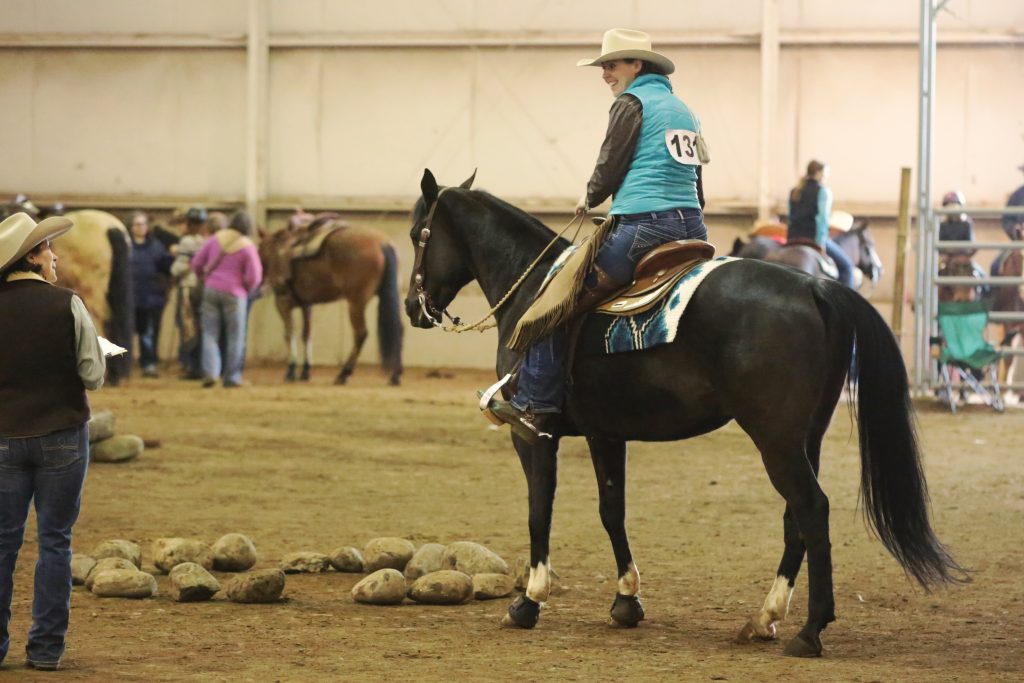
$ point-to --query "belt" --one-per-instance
(670, 213)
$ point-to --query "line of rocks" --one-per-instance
(396, 569)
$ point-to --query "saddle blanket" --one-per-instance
(658, 325)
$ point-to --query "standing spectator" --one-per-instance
(190, 294)
(151, 263)
(49, 356)
(229, 266)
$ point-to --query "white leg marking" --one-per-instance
(309, 351)
(629, 583)
(293, 349)
(540, 583)
(775, 609)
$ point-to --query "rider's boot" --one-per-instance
(598, 292)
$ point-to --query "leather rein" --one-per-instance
(435, 314)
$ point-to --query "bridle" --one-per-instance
(431, 311)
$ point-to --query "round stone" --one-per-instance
(347, 559)
(427, 559)
(265, 585)
(107, 564)
(305, 562)
(81, 565)
(101, 426)
(387, 553)
(383, 587)
(124, 583)
(233, 553)
(119, 548)
(444, 587)
(491, 586)
(169, 552)
(473, 558)
(117, 449)
(192, 583)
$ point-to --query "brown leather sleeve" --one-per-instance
(616, 156)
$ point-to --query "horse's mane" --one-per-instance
(511, 212)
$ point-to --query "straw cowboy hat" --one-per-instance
(622, 43)
(840, 221)
(19, 234)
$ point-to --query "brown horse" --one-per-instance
(1009, 263)
(352, 263)
(95, 261)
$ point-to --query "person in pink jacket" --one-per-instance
(229, 267)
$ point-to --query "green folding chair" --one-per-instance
(962, 327)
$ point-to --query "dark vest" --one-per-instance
(40, 390)
(804, 211)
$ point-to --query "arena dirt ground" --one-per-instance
(314, 467)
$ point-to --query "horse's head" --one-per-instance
(441, 267)
(867, 260)
(273, 251)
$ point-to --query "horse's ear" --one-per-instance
(468, 182)
(262, 233)
(429, 187)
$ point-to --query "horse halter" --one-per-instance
(428, 308)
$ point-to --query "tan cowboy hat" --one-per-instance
(768, 227)
(622, 43)
(840, 221)
(19, 234)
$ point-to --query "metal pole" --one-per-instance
(258, 61)
(903, 227)
(922, 300)
(769, 102)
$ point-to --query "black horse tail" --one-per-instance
(389, 314)
(892, 482)
(121, 322)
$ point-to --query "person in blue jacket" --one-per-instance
(151, 265)
(650, 165)
(810, 206)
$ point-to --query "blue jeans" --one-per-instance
(147, 326)
(843, 262)
(541, 384)
(51, 469)
(227, 312)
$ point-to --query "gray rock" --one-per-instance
(347, 559)
(521, 571)
(387, 553)
(81, 565)
(445, 587)
(117, 449)
(119, 548)
(265, 585)
(233, 553)
(124, 583)
(101, 426)
(305, 562)
(426, 560)
(490, 586)
(473, 558)
(192, 583)
(383, 587)
(107, 564)
(169, 552)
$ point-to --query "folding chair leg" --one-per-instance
(951, 397)
(997, 393)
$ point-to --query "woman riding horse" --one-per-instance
(649, 163)
(810, 205)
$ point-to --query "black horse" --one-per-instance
(759, 344)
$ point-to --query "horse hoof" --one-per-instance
(627, 610)
(394, 381)
(341, 379)
(304, 375)
(289, 374)
(522, 613)
(750, 633)
(801, 646)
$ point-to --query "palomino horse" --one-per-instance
(857, 242)
(354, 264)
(95, 261)
(779, 374)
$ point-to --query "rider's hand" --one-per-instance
(581, 205)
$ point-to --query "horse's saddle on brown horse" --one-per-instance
(655, 275)
(310, 240)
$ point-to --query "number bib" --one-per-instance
(682, 146)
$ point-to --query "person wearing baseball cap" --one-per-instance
(49, 356)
